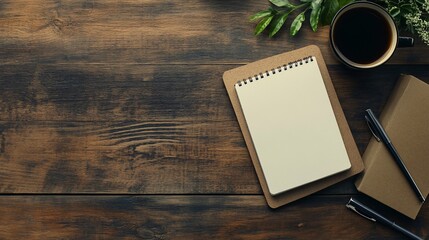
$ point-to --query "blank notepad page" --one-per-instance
(292, 125)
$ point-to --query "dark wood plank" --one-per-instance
(104, 92)
(180, 156)
(134, 92)
(144, 129)
(189, 217)
(108, 31)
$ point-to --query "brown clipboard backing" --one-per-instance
(244, 72)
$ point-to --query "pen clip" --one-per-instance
(371, 128)
(351, 207)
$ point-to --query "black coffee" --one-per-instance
(362, 35)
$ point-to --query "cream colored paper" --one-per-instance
(293, 126)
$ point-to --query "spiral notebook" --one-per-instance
(293, 125)
(297, 142)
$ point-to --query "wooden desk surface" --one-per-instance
(114, 123)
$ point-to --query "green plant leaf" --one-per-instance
(282, 3)
(261, 14)
(342, 3)
(394, 11)
(316, 7)
(297, 23)
(329, 9)
(406, 8)
(277, 23)
(306, 1)
(263, 24)
(316, 4)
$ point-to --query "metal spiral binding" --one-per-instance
(273, 71)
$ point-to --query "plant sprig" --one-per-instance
(410, 15)
(274, 18)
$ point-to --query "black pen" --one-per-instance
(380, 133)
(370, 214)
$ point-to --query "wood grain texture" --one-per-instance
(134, 92)
(144, 129)
(125, 97)
(180, 156)
(191, 31)
(189, 217)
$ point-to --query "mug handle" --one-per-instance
(405, 41)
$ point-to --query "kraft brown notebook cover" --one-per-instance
(406, 120)
(231, 77)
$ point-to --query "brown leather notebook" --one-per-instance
(251, 70)
(406, 120)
